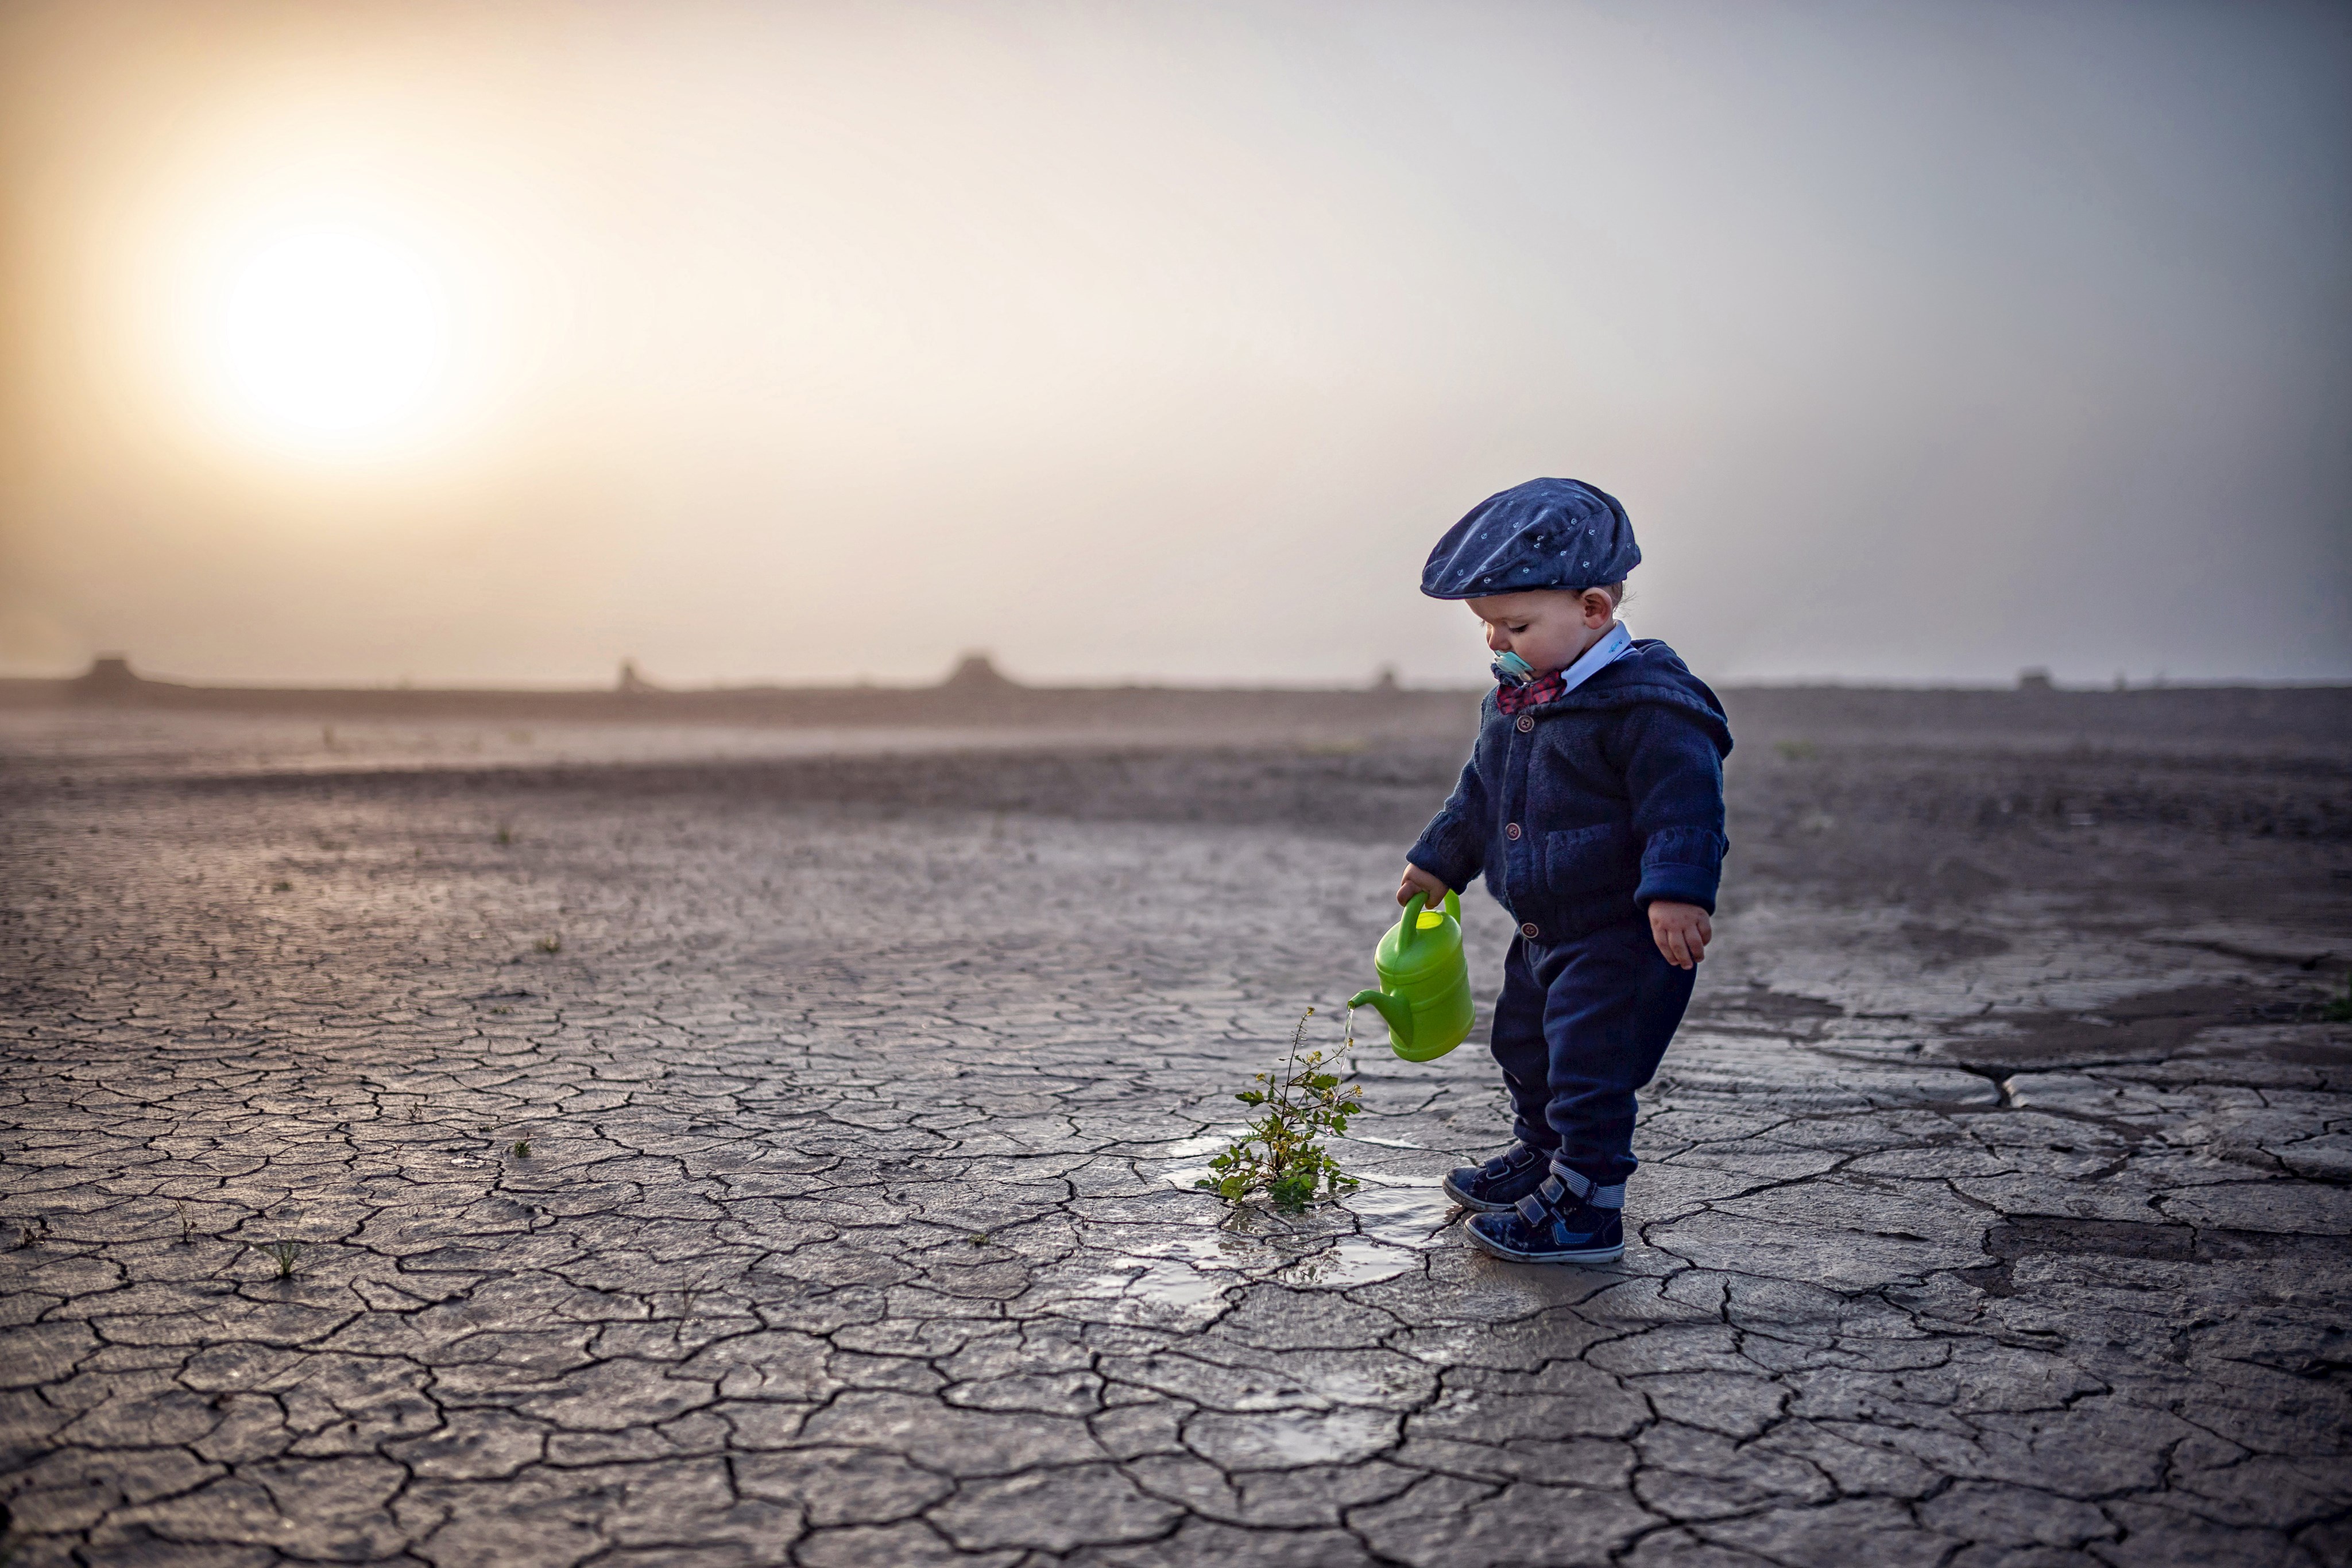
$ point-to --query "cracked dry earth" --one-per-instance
(735, 1167)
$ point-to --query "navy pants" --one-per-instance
(1580, 1026)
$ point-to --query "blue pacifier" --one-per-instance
(1512, 668)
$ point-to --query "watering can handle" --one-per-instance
(1410, 926)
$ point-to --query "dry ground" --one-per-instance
(783, 1160)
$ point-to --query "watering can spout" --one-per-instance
(1396, 1010)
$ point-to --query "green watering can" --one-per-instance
(1424, 991)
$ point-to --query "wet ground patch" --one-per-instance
(2149, 1026)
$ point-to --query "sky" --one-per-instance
(491, 345)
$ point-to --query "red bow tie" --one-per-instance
(1511, 699)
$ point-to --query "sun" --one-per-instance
(330, 336)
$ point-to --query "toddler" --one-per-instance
(1594, 803)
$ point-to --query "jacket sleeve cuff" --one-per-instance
(1441, 852)
(1682, 866)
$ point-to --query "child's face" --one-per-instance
(1548, 629)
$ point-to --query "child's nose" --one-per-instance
(1496, 641)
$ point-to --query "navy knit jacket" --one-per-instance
(1582, 810)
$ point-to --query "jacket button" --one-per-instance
(1528, 930)
(1510, 830)
(1527, 722)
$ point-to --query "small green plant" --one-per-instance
(550, 944)
(978, 1239)
(2340, 1010)
(505, 834)
(285, 1254)
(1794, 750)
(522, 1148)
(1280, 1154)
(281, 885)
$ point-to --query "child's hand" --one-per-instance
(1682, 932)
(1432, 892)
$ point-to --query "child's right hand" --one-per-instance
(1432, 892)
(1682, 932)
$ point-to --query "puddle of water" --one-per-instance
(1183, 1270)
(1172, 1282)
(1396, 1218)
(1350, 1263)
(1412, 1216)
(1185, 1176)
(1289, 1438)
(1206, 1250)
(1207, 1143)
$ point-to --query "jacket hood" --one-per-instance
(1649, 672)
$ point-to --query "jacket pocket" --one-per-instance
(1586, 860)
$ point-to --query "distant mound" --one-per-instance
(976, 673)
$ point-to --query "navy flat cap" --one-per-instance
(1546, 533)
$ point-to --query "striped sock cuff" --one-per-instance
(1584, 1189)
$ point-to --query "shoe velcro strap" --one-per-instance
(1607, 1196)
(1582, 1187)
(1531, 1210)
(1551, 1190)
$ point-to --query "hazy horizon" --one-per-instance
(797, 344)
(1468, 679)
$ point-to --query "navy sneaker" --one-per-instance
(1557, 1223)
(1494, 1186)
